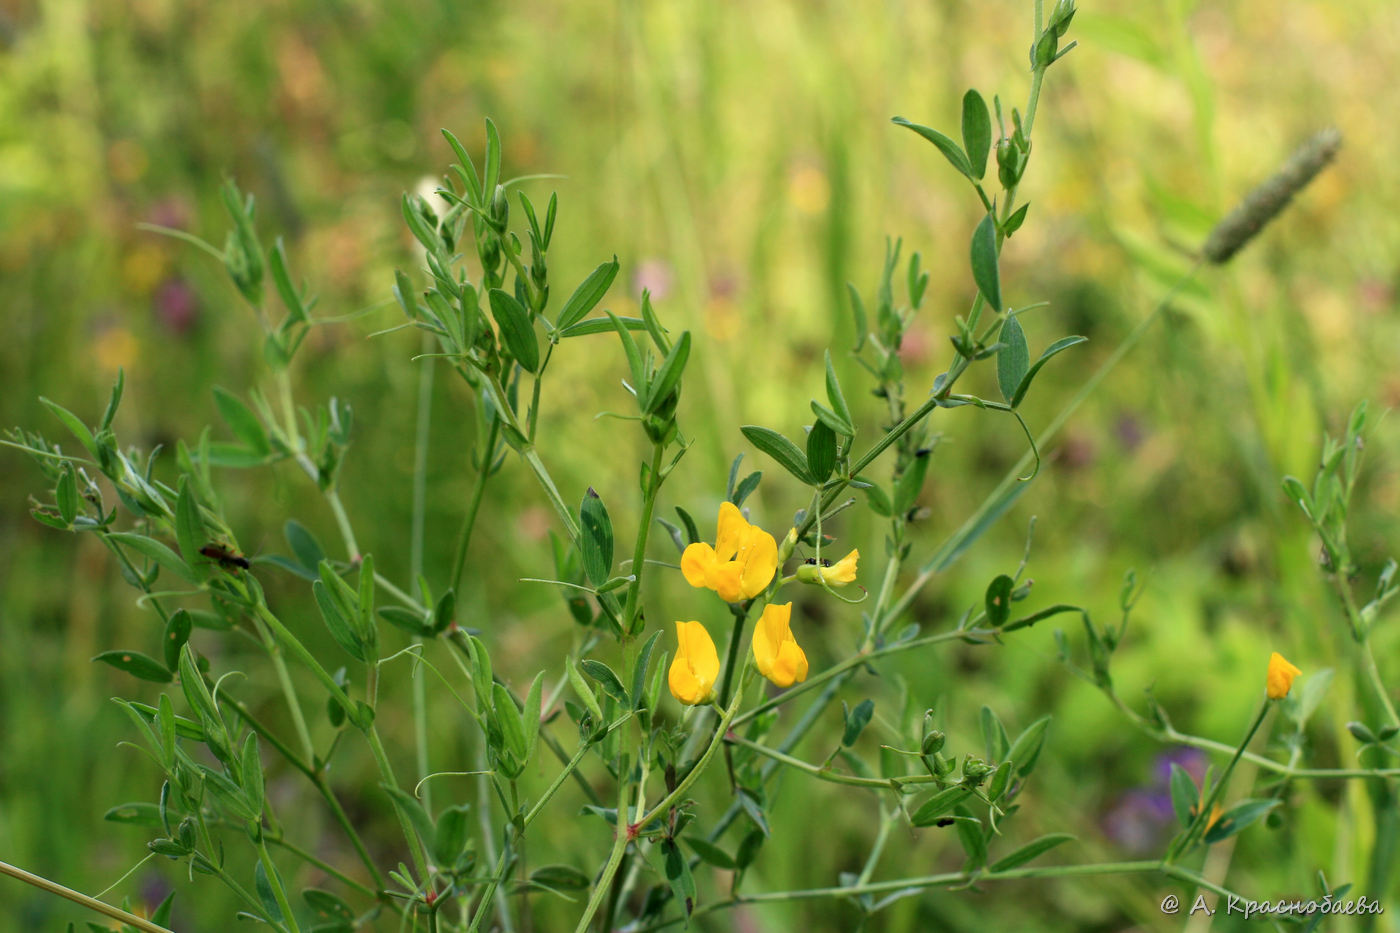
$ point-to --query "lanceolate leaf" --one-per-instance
(1064, 343)
(1031, 850)
(976, 132)
(984, 261)
(516, 330)
(950, 149)
(780, 449)
(586, 297)
(1013, 359)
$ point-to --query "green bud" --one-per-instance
(1059, 20)
(933, 742)
(500, 209)
(1008, 163)
(1045, 48)
(975, 770)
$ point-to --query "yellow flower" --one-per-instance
(775, 650)
(696, 667)
(740, 565)
(1280, 676)
(837, 574)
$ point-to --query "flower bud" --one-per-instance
(975, 770)
(933, 742)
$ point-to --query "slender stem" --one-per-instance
(825, 773)
(1203, 812)
(554, 786)
(671, 799)
(386, 771)
(342, 521)
(464, 536)
(532, 458)
(811, 683)
(957, 879)
(421, 440)
(91, 903)
(639, 552)
(274, 881)
(284, 680)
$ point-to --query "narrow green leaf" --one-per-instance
(911, 482)
(413, 811)
(327, 906)
(781, 449)
(581, 688)
(1031, 850)
(668, 375)
(976, 132)
(189, 524)
(530, 715)
(601, 325)
(1238, 817)
(1013, 359)
(516, 330)
(832, 420)
(1184, 795)
(113, 401)
(950, 149)
(1027, 621)
(336, 620)
(305, 547)
(493, 159)
(511, 724)
(137, 665)
(998, 600)
(286, 290)
(153, 549)
(835, 396)
(177, 632)
(994, 735)
(66, 494)
(711, 853)
(410, 620)
(251, 772)
(1013, 223)
(242, 422)
(73, 423)
(450, 839)
(1026, 749)
(856, 721)
(939, 804)
(974, 842)
(639, 676)
(984, 261)
(609, 681)
(821, 451)
(596, 544)
(1064, 343)
(634, 357)
(586, 297)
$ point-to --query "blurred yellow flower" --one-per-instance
(1280, 676)
(837, 574)
(696, 667)
(776, 652)
(740, 565)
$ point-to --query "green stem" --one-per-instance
(421, 440)
(289, 693)
(386, 771)
(1184, 840)
(825, 773)
(958, 879)
(554, 786)
(464, 536)
(274, 881)
(91, 903)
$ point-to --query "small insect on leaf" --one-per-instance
(226, 557)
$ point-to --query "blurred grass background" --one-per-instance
(742, 166)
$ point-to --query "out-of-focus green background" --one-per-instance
(740, 163)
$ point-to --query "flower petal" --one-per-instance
(697, 560)
(726, 580)
(696, 667)
(730, 529)
(1279, 679)
(760, 562)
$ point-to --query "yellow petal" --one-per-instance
(696, 668)
(729, 531)
(760, 561)
(1280, 677)
(697, 561)
(843, 571)
(775, 651)
(726, 579)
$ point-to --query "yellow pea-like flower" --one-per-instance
(1280, 677)
(776, 652)
(837, 574)
(696, 667)
(740, 565)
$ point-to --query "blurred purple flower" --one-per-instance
(170, 212)
(176, 306)
(1139, 819)
(1129, 431)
